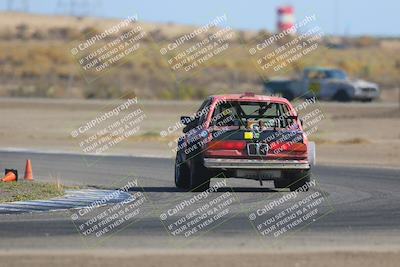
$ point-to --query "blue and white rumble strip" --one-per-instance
(72, 200)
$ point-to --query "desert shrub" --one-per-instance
(39, 35)
(22, 31)
(365, 41)
(103, 91)
(63, 33)
(43, 90)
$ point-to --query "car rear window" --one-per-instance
(241, 113)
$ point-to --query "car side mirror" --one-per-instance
(189, 122)
(186, 120)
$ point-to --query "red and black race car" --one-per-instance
(243, 136)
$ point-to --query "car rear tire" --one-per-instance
(182, 173)
(199, 176)
(293, 179)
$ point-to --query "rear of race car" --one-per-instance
(263, 140)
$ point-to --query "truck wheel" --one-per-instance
(366, 100)
(293, 179)
(342, 96)
(199, 176)
(182, 173)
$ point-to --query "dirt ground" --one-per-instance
(349, 134)
(202, 258)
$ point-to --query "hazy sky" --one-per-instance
(354, 17)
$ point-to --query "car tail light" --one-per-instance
(285, 147)
(226, 145)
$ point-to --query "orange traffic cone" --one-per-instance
(11, 176)
(28, 171)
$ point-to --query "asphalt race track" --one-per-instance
(361, 206)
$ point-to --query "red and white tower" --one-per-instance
(286, 18)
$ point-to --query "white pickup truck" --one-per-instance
(324, 83)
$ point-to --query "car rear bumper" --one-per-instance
(222, 163)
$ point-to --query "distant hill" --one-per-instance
(36, 60)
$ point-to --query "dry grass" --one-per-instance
(22, 190)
